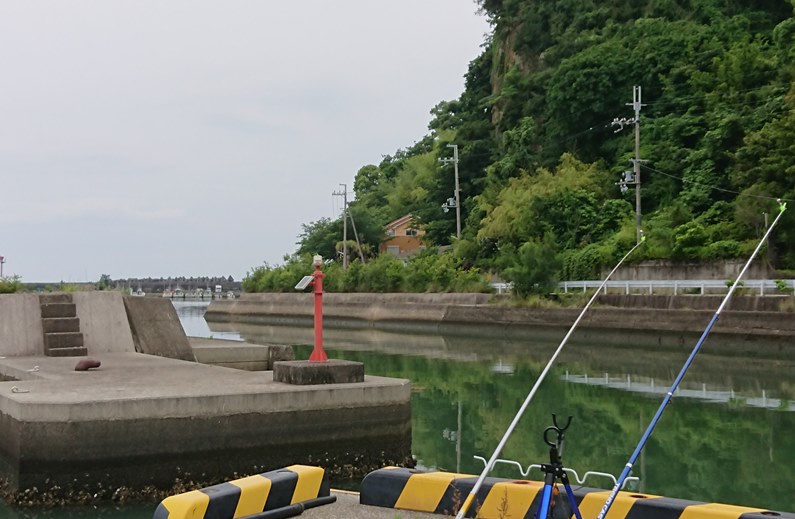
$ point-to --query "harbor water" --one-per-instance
(726, 437)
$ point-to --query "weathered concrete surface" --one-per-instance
(20, 325)
(386, 309)
(238, 354)
(156, 329)
(142, 419)
(742, 303)
(103, 322)
(333, 371)
(657, 269)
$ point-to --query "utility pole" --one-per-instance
(632, 178)
(344, 195)
(2, 260)
(356, 235)
(457, 201)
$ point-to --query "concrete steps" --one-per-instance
(62, 336)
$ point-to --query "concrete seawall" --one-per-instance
(151, 415)
(664, 321)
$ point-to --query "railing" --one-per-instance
(762, 287)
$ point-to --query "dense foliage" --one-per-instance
(540, 159)
(426, 272)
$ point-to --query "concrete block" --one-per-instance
(156, 329)
(303, 372)
(232, 354)
(103, 321)
(20, 325)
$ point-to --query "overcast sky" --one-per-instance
(165, 138)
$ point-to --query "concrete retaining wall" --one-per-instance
(728, 269)
(436, 312)
(21, 333)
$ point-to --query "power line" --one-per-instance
(716, 188)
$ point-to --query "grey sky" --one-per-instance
(164, 138)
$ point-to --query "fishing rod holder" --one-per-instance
(571, 472)
(555, 465)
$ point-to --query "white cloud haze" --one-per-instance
(143, 138)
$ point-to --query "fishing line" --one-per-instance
(669, 395)
(471, 497)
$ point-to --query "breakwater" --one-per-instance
(149, 415)
(750, 326)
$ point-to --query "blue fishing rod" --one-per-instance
(670, 394)
(490, 465)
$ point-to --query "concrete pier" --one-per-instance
(142, 419)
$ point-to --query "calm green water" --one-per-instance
(727, 436)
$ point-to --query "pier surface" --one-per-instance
(144, 420)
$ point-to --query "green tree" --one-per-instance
(104, 282)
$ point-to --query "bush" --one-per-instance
(10, 285)
(384, 274)
(426, 272)
(723, 249)
(532, 268)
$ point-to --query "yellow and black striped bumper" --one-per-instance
(247, 496)
(443, 493)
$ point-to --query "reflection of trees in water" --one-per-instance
(746, 376)
(699, 451)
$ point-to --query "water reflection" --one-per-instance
(191, 315)
(711, 377)
(467, 389)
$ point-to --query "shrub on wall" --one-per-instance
(10, 285)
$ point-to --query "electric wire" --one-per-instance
(716, 188)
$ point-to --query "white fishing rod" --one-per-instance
(670, 394)
(471, 497)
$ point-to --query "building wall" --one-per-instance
(407, 244)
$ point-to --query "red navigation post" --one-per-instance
(318, 355)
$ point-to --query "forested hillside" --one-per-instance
(540, 159)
